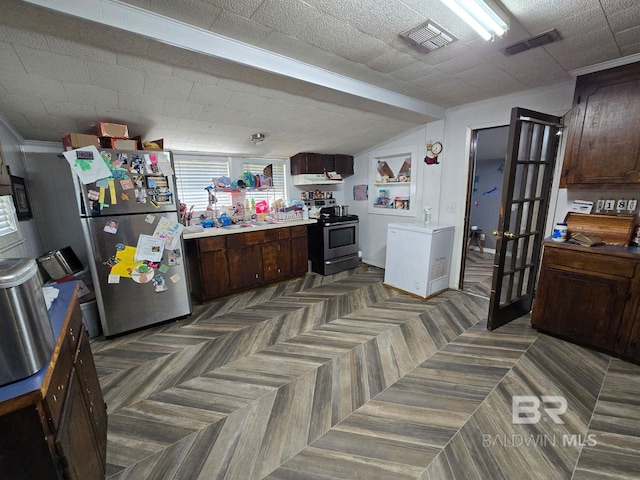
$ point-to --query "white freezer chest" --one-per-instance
(418, 258)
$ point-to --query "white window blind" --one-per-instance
(279, 189)
(194, 174)
(9, 234)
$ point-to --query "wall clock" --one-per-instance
(433, 150)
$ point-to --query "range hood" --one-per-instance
(328, 178)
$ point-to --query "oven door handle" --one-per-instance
(338, 260)
(339, 224)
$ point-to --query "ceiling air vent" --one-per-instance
(428, 36)
(533, 42)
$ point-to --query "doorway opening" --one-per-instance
(484, 191)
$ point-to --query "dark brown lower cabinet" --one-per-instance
(299, 251)
(59, 431)
(232, 263)
(590, 296)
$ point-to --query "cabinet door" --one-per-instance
(90, 386)
(75, 439)
(299, 250)
(603, 147)
(214, 274)
(276, 260)
(320, 163)
(594, 312)
(245, 266)
(344, 164)
(298, 164)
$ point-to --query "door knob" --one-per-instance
(496, 233)
(509, 235)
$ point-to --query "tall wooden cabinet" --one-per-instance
(603, 146)
(590, 296)
(56, 427)
(302, 163)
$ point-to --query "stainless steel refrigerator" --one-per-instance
(130, 223)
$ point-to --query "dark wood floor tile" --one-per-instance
(347, 467)
(601, 464)
(287, 474)
(380, 448)
(171, 414)
(446, 420)
(421, 433)
(407, 394)
(454, 462)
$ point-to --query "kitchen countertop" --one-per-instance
(617, 250)
(214, 232)
(57, 316)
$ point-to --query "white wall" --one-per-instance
(373, 227)
(460, 121)
(11, 142)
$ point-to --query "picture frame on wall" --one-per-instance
(20, 198)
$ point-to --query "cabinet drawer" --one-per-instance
(57, 390)
(211, 244)
(592, 262)
(299, 231)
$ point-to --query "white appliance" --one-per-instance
(418, 258)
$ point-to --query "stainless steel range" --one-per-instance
(333, 242)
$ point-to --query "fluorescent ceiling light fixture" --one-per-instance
(478, 16)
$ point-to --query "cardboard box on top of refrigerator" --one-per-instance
(106, 129)
(78, 140)
(118, 143)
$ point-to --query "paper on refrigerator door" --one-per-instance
(149, 248)
(87, 163)
(170, 231)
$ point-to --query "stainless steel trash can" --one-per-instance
(26, 337)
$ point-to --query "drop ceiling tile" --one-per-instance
(117, 78)
(391, 61)
(9, 59)
(163, 86)
(34, 18)
(588, 49)
(181, 109)
(70, 110)
(194, 126)
(52, 65)
(195, 76)
(386, 20)
(75, 48)
(114, 39)
(17, 83)
(209, 94)
(91, 95)
(631, 49)
(628, 37)
(20, 36)
(240, 28)
(140, 103)
(625, 19)
(456, 87)
(138, 62)
(194, 12)
(17, 120)
(115, 115)
(45, 122)
(244, 8)
(461, 63)
(42, 135)
(238, 86)
(414, 71)
(22, 104)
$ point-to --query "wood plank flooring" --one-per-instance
(338, 377)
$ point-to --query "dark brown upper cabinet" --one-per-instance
(302, 163)
(603, 146)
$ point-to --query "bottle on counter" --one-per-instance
(305, 212)
(559, 232)
(426, 218)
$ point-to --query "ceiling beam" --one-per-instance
(181, 35)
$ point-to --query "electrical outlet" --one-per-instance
(450, 207)
(482, 237)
